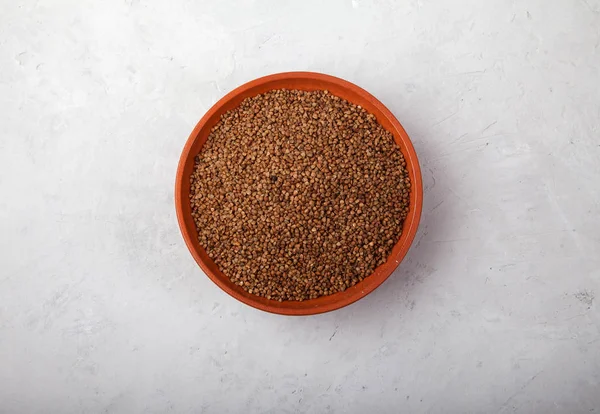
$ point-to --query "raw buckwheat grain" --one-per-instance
(298, 194)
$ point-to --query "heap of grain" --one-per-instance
(298, 194)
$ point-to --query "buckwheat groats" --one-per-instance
(298, 194)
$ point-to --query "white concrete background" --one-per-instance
(495, 309)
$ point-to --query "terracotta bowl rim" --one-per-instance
(342, 298)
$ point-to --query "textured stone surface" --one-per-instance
(102, 309)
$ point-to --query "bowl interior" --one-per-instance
(303, 81)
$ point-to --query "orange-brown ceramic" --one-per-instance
(304, 81)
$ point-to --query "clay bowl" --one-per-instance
(303, 81)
